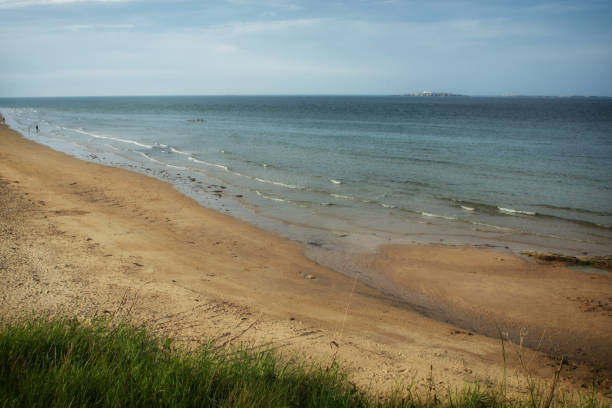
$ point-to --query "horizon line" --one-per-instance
(406, 94)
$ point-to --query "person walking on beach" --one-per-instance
(37, 130)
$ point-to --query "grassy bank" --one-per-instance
(62, 362)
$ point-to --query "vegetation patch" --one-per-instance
(66, 363)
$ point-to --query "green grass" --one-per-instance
(64, 363)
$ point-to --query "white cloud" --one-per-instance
(292, 53)
(89, 74)
(80, 27)
(555, 7)
(276, 4)
(250, 27)
(223, 48)
(9, 4)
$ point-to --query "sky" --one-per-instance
(179, 47)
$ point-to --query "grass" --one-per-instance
(65, 363)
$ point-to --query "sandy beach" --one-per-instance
(85, 239)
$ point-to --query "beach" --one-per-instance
(82, 238)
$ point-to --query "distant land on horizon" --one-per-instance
(449, 94)
(430, 93)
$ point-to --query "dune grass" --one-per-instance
(65, 363)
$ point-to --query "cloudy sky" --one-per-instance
(153, 47)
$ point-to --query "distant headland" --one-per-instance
(448, 94)
(430, 93)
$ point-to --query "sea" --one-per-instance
(348, 173)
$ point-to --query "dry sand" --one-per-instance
(81, 238)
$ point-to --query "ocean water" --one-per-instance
(510, 172)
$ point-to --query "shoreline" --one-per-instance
(217, 272)
(324, 222)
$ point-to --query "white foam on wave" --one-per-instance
(387, 205)
(278, 183)
(335, 181)
(176, 150)
(81, 131)
(430, 215)
(146, 156)
(511, 211)
(343, 197)
(161, 162)
(463, 207)
(267, 197)
(221, 166)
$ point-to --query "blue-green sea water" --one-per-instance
(512, 171)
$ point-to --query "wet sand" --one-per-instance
(82, 238)
(544, 306)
